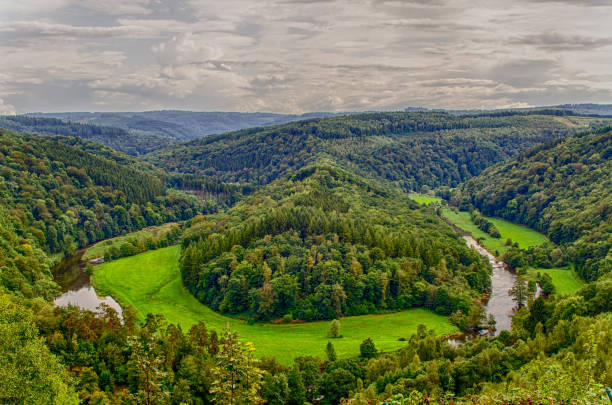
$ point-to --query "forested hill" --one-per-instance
(407, 149)
(325, 243)
(563, 189)
(55, 198)
(133, 143)
(137, 133)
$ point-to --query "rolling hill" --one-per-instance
(409, 150)
(563, 189)
(138, 133)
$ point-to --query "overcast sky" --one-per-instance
(297, 56)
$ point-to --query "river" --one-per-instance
(78, 291)
(500, 303)
(76, 286)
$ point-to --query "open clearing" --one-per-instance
(98, 249)
(151, 282)
(425, 199)
(518, 233)
(564, 280)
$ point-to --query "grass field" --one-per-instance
(425, 199)
(151, 282)
(523, 235)
(98, 249)
(564, 280)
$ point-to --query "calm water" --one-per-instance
(77, 287)
(500, 304)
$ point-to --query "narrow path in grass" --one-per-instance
(151, 282)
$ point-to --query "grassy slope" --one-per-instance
(425, 199)
(98, 249)
(151, 282)
(565, 280)
(524, 236)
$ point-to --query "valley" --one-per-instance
(302, 202)
(271, 259)
(151, 283)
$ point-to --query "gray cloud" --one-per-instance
(554, 41)
(301, 55)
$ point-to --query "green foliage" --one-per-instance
(367, 349)
(334, 330)
(484, 224)
(131, 281)
(137, 133)
(406, 149)
(55, 198)
(237, 378)
(119, 139)
(425, 199)
(525, 236)
(331, 352)
(564, 281)
(520, 292)
(563, 189)
(324, 244)
(29, 373)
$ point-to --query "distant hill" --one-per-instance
(409, 150)
(137, 133)
(587, 109)
(133, 143)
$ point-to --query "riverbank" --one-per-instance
(132, 281)
(77, 290)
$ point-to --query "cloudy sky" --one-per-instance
(297, 56)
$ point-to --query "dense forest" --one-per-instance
(137, 133)
(410, 150)
(132, 143)
(323, 244)
(329, 234)
(56, 198)
(562, 189)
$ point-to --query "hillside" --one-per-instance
(324, 243)
(409, 150)
(563, 189)
(132, 143)
(138, 133)
(56, 198)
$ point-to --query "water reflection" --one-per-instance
(78, 291)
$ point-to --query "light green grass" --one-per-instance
(151, 282)
(523, 235)
(425, 199)
(98, 249)
(564, 280)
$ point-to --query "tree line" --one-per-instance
(322, 246)
(408, 149)
(562, 189)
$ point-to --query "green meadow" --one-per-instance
(564, 280)
(425, 199)
(98, 249)
(151, 282)
(518, 233)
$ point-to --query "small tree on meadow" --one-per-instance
(334, 329)
(367, 349)
(331, 352)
